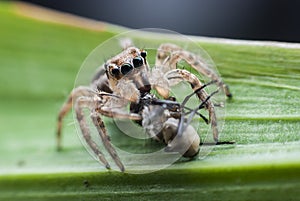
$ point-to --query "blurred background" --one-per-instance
(277, 20)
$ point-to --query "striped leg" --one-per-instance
(75, 94)
(169, 55)
(106, 140)
(87, 102)
(177, 75)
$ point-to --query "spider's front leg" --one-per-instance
(169, 55)
(97, 105)
(106, 140)
(74, 95)
(177, 75)
(110, 109)
(88, 102)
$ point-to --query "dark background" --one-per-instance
(239, 19)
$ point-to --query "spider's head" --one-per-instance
(131, 63)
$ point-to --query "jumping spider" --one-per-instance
(127, 78)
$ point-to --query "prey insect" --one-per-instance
(128, 79)
(169, 122)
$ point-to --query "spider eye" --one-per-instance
(115, 71)
(144, 54)
(126, 68)
(137, 62)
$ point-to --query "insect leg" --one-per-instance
(199, 114)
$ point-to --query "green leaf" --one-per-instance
(39, 62)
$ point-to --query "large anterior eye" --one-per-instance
(144, 54)
(115, 71)
(137, 62)
(126, 68)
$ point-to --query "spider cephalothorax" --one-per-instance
(127, 79)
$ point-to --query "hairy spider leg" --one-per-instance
(99, 124)
(76, 93)
(181, 127)
(193, 112)
(169, 55)
(178, 75)
(98, 103)
(86, 102)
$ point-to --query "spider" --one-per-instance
(128, 78)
